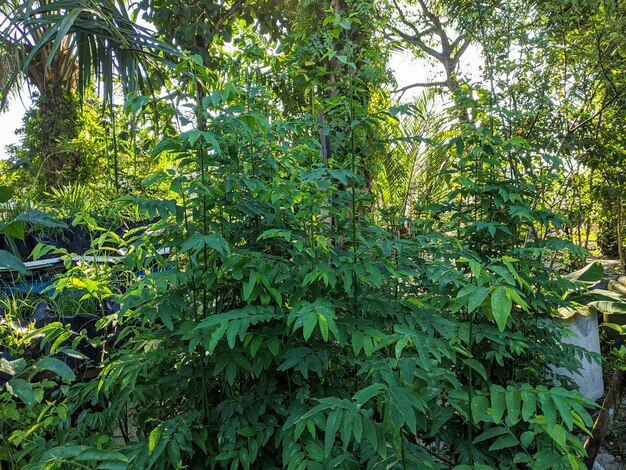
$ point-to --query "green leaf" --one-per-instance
(477, 366)
(216, 337)
(527, 438)
(12, 367)
(403, 403)
(563, 406)
(332, 426)
(154, 438)
(491, 433)
(248, 287)
(36, 217)
(63, 452)
(15, 229)
(503, 442)
(12, 263)
(255, 345)
(101, 455)
(501, 307)
(480, 404)
(592, 273)
(309, 322)
(513, 404)
(475, 267)
(6, 193)
(357, 428)
(498, 402)
(547, 406)
(369, 392)
(274, 346)
(477, 298)
(218, 244)
(173, 452)
(197, 242)
(323, 326)
(357, 341)
(41, 249)
(56, 366)
(22, 390)
(558, 434)
(529, 403)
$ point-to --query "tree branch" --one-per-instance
(224, 17)
(406, 22)
(597, 113)
(404, 89)
(416, 41)
(460, 50)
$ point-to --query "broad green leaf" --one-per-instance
(218, 244)
(563, 406)
(248, 286)
(173, 452)
(528, 403)
(475, 267)
(501, 307)
(477, 366)
(513, 404)
(22, 390)
(369, 392)
(592, 273)
(12, 367)
(403, 404)
(154, 438)
(15, 229)
(101, 455)
(323, 324)
(216, 337)
(6, 193)
(357, 427)
(56, 366)
(274, 346)
(36, 217)
(480, 404)
(547, 406)
(255, 345)
(498, 402)
(503, 442)
(491, 433)
(557, 433)
(526, 438)
(332, 426)
(357, 341)
(63, 452)
(12, 263)
(309, 322)
(41, 249)
(477, 298)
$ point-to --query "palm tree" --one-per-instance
(411, 174)
(57, 47)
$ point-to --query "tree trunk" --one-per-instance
(55, 121)
(620, 250)
(52, 126)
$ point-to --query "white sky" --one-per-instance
(406, 70)
(10, 121)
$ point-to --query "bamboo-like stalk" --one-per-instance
(620, 250)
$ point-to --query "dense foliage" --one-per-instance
(282, 266)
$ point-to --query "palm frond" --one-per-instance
(10, 61)
(411, 173)
(104, 39)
